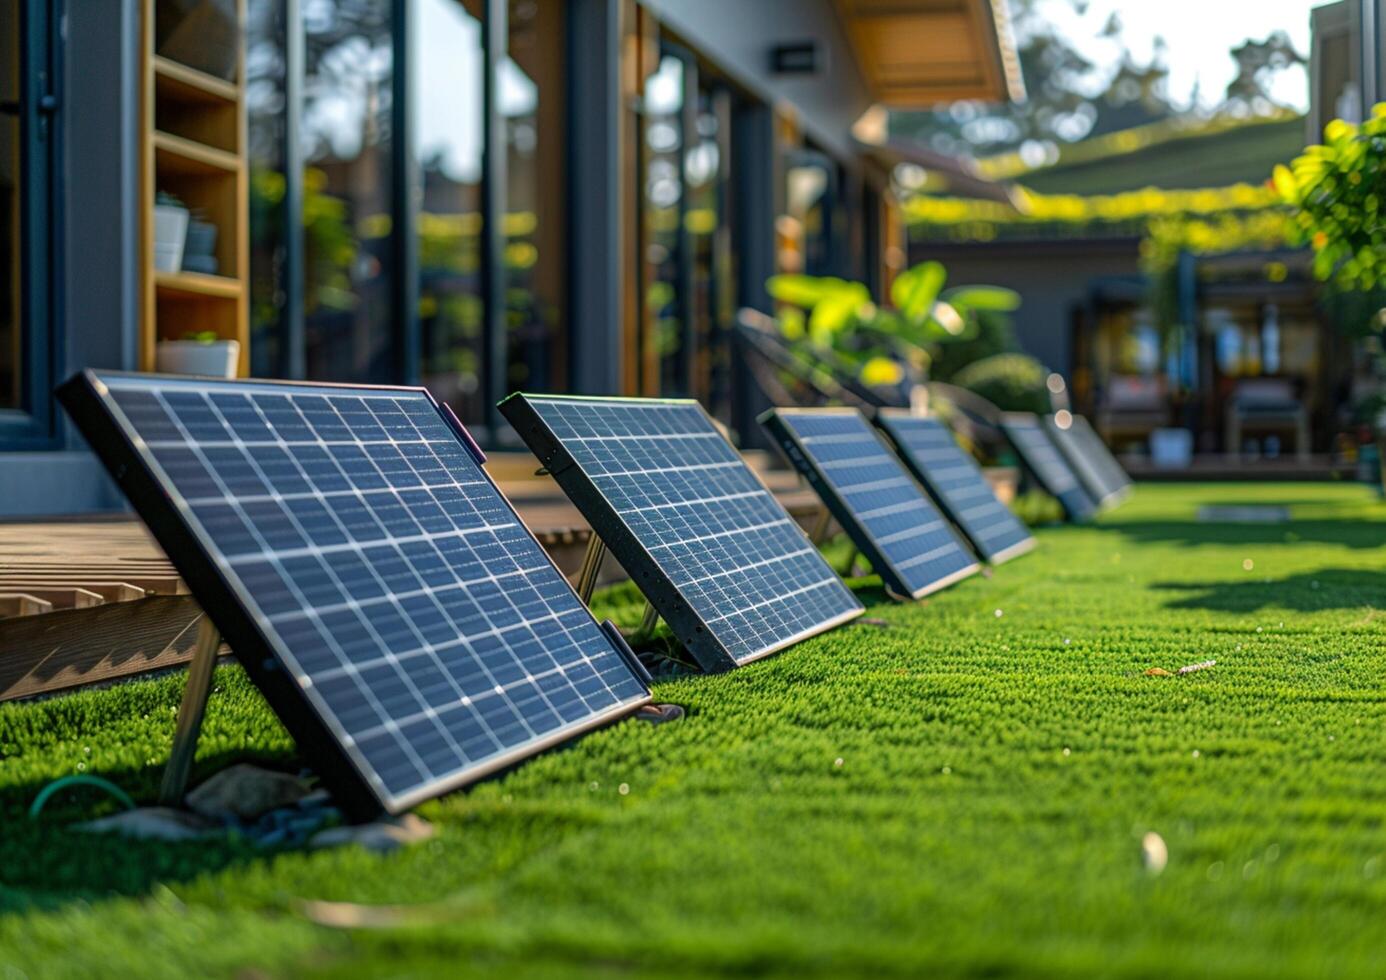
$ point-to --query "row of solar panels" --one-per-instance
(408, 628)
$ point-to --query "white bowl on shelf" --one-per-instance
(205, 358)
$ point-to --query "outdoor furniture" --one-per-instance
(1265, 405)
(1132, 407)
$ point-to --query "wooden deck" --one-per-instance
(88, 600)
(91, 599)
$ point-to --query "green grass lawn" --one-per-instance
(962, 793)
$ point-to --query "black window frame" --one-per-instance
(36, 426)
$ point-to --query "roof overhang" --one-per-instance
(947, 175)
(915, 54)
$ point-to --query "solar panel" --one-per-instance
(888, 516)
(714, 552)
(1041, 457)
(1080, 459)
(407, 628)
(928, 449)
(1116, 485)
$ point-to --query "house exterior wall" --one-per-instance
(739, 37)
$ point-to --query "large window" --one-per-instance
(447, 75)
(347, 216)
(686, 275)
(11, 361)
(530, 100)
(27, 160)
(407, 194)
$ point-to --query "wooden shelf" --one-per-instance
(179, 83)
(189, 285)
(193, 147)
(176, 155)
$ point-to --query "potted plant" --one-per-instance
(170, 232)
(199, 353)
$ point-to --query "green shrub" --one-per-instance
(1011, 382)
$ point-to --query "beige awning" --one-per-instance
(918, 53)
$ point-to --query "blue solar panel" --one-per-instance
(1091, 459)
(348, 541)
(953, 477)
(888, 516)
(1041, 457)
(1079, 458)
(715, 553)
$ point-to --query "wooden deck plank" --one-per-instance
(22, 604)
(116, 559)
(76, 647)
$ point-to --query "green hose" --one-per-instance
(79, 780)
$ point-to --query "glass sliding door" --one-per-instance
(707, 234)
(27, 220)
(664, 287)
(687, 277)
(12, 393)
(346, 135)
(408, 209)
(267, 117)
(448, 141)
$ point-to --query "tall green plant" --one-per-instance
(883, 342)
(1338, 191)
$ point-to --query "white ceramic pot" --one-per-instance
(1171, 449)
(211, 359)
(170, 234)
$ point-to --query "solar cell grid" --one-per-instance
(719, 558)
(1080, 459)
(1042, 458)
(1114, 478)
(888, 516)
(422, 623)
(928, 448)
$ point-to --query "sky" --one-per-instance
(1198, 35)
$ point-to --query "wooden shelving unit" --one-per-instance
(193, 146)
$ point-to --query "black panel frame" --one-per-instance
(661, 592)
(83, 398)
(1078, 506)
(882, 419)
(803, 461)
(1067, 440)
(1114, 476)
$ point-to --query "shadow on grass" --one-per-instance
(1350, 534)
(46, 863)
(1325, 588)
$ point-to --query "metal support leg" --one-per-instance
(819, 534)
(648, 621)
(849, 566)
(591, 568)
(190, 713)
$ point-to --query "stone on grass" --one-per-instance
(153, 823)
(244, 792)
(382, 836)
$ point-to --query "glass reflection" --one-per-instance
(11, 374)
(346, 190)
(529, 91)
(266, 108)
(446, 76)
(708, 240)
(662, 190)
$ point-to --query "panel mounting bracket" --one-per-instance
(190, 713)
(587, 576)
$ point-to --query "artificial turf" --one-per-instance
(964, 792)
